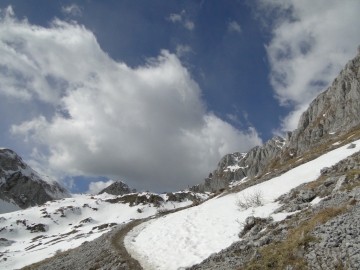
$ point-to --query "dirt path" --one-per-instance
(118, 242)
(106, 252)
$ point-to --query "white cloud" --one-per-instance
(73, 10)
(233, 118)
(311, 42)
(189, 25)
(147, 126)
(96, 187)
(180, 18)
(182, 50)
(175, 18)
(234, 27)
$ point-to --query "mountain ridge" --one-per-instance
(309, 205)
(22, 187)
(333, 113)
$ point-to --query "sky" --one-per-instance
(154, 93)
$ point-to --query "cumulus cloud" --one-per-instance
(234, 27)
(147, 125)
(96, 187)
(181, 18)
(311, 42)
(73, 10)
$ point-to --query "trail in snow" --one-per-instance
(187, 237)
(67, 224)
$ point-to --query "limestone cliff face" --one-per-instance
(331, 114)
(21, 186)
(238, 166)
(334, 112)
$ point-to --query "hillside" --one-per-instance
(289, 204)
(22, 187)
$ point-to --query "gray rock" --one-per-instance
(117, 188)
(330, 181)
(244, 165)
(22, 185)
(306, 196)
(351, 146)
(335, 110)
(331, 114)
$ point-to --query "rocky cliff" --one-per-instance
(117, 188)
(241, 166)
(332, 114)
(22, 187)
(319, 235)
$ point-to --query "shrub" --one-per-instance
(247, 200)
(162, 211)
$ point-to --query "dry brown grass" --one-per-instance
(38, 264)
(318, 182)
(281, 254)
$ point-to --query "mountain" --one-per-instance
(39, 232)
(117, 188)
(292, 203)
(22, 187)
(330, 116)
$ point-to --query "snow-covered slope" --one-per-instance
(21, 186)
(30, 235)
(187, 237)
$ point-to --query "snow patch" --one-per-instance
(185, 238)
(71, 221)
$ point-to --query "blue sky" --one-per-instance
(154, 93)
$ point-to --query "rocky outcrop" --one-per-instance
(237, 166)
(321, 235)
(117, 188)
(331, 114)
(21, 186)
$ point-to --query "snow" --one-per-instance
(238, 182)
(234, 168)
(188, 237)
(280, 144)
(71, 221)
(316, 200)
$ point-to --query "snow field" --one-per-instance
(60, 233)
(188, 237)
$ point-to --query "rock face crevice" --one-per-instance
(333, 113)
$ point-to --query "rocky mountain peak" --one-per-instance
(332, 114)
(22, 187)
(117, 188)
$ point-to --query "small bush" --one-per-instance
(245, 201)
(162, 211)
